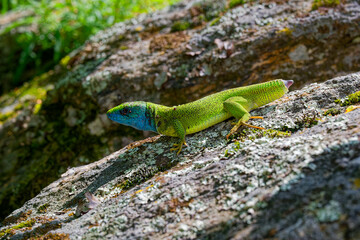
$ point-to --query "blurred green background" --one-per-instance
(44, 31)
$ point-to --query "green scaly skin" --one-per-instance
(193, 117)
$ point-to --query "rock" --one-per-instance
(299, 53)
(144, 59)
(71, 118)
(96, 127)
(299, 186)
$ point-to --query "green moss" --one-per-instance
(324, 3)
(332, 112)
(180, 26)
(124, 185)
(65, 60)
(19, 107)
(6, 116)
(353, 98)
(202, 18)
(349, 100)
(286, 31)
(304, 122)
(226, 154)
(182, 71)
(234, 148)
(43, 208)
(37, 107)
(30, 94)
(235, 3)
(215, 21)
(28, 223)
(338, 101)
(252, 134)
(270, 133)
(33, 89)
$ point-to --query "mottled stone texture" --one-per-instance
(266, 185)
(203, 194)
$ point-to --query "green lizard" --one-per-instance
(195, 116)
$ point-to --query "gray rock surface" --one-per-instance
(153, 58)
(265, 185)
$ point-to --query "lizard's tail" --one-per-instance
(288, 83)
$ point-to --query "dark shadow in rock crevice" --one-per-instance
(118, 168)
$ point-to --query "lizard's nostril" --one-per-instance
(109, 114)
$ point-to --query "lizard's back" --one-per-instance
(208, 111)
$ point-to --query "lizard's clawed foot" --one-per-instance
(256, 117)
(237, 125)
(233, 130)
(252, 117)
(351, 108)
(252, 126)
(178, 146)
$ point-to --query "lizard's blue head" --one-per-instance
(134, 114)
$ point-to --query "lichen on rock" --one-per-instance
(258, 185)
(204, 194)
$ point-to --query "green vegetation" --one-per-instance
(7, 5)
(43, 208)
(58, 27)
(180, 26)
(29, 96)
(215, 21)
(349, 100)
(303, 122)
(235, 3)
(332, 112)
(324, 3)
(252, 134)
(28, 223)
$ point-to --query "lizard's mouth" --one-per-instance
(111, 115)
(288, 83)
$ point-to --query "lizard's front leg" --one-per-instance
(180, 132)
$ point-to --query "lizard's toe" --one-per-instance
(177, 147)
(256, 117)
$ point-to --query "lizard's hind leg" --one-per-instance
(237, 107)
